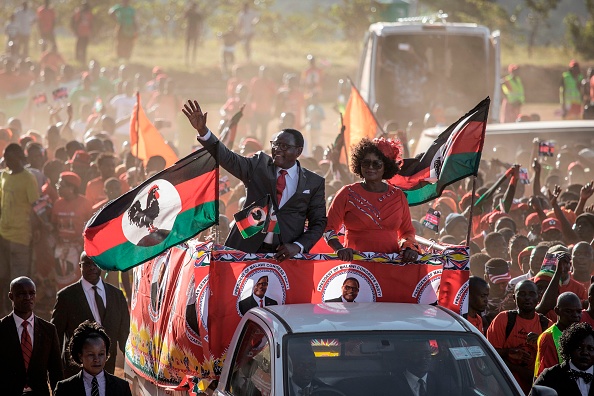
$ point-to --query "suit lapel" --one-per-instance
(82, 296)
(80, 384)
(14, 340)
(38, 341)
(110, 388)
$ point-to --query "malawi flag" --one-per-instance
(454, 155)
(146, 140)
(172, 206)
(255, 218)
(229, 131)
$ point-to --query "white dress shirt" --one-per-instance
(30, 328)
(413, 382)
(584, 387)
(90, 294)
(87, 381)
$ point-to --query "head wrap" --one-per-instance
(71, 178)
(391, 148)
(527, 251)
(545, 275)
(447, 201)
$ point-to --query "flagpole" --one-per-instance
(366, 105)
(342, 128)
(137, 134)
(470, 213)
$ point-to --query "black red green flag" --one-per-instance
(453, 156)
(254, 218)
(167, 209)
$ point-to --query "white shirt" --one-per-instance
(258, 300)
(90, 294)
(19, 326)
(413, 382)
(87, 381)
(123, 106)
(584, 388)
(345, 301)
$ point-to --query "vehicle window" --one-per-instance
(365, 364)
(250, 373)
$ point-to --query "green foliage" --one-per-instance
(581, 36)
(483, 12)
(353, 17)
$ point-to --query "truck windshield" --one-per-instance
(433, 71)
(376, 363)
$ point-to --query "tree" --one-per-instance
(581, 36)
(353, 17)
(539, 11)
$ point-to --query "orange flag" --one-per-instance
(359, 121)
(148, 142)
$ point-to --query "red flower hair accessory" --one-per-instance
(391, 148)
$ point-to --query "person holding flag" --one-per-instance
(297, 194)
(375, 214)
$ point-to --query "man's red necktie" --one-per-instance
(281, 183)
(26, 345)
(261, 303)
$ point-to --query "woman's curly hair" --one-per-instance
(366, 146)
(86, 330)
(572, 337)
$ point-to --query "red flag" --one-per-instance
(145, 139)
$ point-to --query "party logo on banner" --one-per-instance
(137, 276)
(192, 315)
(332, 282)
(260, 284)
(159, 279)
(426, 289)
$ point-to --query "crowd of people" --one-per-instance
(65, 155)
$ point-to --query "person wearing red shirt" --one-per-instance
(477, 301)
(569, 311)
(518, 349)
(70, 213)
(81, 24)
(95, 192)
(582, 256)
(46, 22)
(263, 91)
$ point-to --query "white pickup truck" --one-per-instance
(345, 349)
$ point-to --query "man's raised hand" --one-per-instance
(197, 119)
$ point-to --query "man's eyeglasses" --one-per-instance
(262, 284)
(281, 146)
(351, 288)
(377, 164)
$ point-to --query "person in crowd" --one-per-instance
(350, 291)
(89, 349)
(262, 94)
(258, 298)
(290, 99)
(516, 344)
(82, 25)
(516, 244)
(569, 311)
(574, 375)
(477, 264)
(513, 95)
(582, 256)
(46, 23)
(246, 27)
(30, 348)
(106, 162)
(91, 299)
(194, 27)
(126, 28)
(375, 214)
(496, 246)
(588, 313)
(24, 19)
(229, 38)
(298, 195)
(497, 275)
(478, 298)
(18, 192)
(569, 92)
(69, 216)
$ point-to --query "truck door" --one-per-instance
(495, 65)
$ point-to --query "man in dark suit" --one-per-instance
(91, 299)
(30, 347)
(350, 291)
(417, 379)
(298, 195)
(302, 371)
(258, 297)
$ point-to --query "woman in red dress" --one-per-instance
(375, 214)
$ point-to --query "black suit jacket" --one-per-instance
(74, 385)
(437, 385)
(258, 174)
(250, 302)
(45, 359)
(557, 377)
(337, 299)
(72, 309)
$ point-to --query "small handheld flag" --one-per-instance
(257, 217)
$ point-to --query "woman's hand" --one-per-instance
(194, 113)
(409, 255)
(346, 254)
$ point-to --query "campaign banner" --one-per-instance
(187, 302)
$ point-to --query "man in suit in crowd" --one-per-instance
(298, 194)
(91, 299)
(350, 291)
(417, 377)
(30, 347)
(302, 379)
(258, 297)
